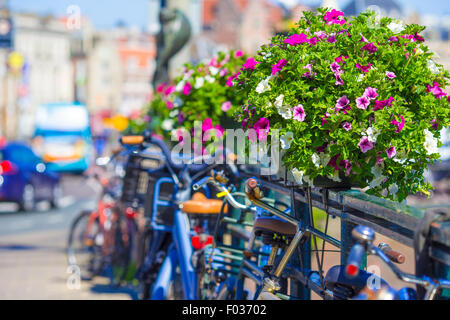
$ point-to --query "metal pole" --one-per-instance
(297, 289)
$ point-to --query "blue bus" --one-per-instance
(62, 136)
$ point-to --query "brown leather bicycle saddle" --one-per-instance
(264, 225)
(199, 204)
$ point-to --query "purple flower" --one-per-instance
(364, 69)
(363, 39)
(435, 124)
(181, 118)
(250, 64)
(299, 113)
(310, 73)
(324, 119)
(262, 128)
(347, 126)
(380, 105)
(226, 106)
(278, 66)
(370, 93)
(380, 160)
(331, 39)
(370, 47)
(362, 102)
(147, 118)
(390, 75)
(347, 165)
(296, 39)
(399, 124)
(313, 41)
(341, 103)
(365, 145)
(333, 162)
(391, 152)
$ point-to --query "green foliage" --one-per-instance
(308, 80)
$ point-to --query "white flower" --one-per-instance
(360, 78)
(316, 160)
(180, 86)
(430, 143)
(285, 112)
(433, 67)
(372, 134)
(308, 181)
(264, 85)
(174, 113)
(324, 159)
(167, 124)
(199, 82)
(393, 189)
(377, 170)
(335, 177)
(419, 51)
(279, 101)
(400, 157)
(210, 79)
(213, 70)
(377, 182)
(298, 175)
(396, 27)
(266, 55)
(286, 140)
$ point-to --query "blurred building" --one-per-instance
(46, 74)
(389, 8)
(237, 24)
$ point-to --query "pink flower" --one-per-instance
(370, 47)
(169, 104)
(296, 39)
(187, 89)
(380, 160)
(340, 58)
(250, 64)
(391, 152)
(207, 124)
(320, 34)
(370, 93)
(400, 125)
(332, 17)
(262, 128)
(169, 90)
(310, 73)
(219, 131)
(339, 81)
(362, 102)
(223, 72)
(347, 126)
(365, 145)
(226, 106)
(364, 69)
(380, 105)
(278, 66)
(299, 113)
(160, 88)
(390, 75)
(147, 118)
(313, 41)
(335, 67)
(436, 91)
(238, 54)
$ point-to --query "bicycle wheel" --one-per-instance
(84, 245)
(123, 267)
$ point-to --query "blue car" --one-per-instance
(25, 178)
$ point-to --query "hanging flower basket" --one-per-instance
(356, 100)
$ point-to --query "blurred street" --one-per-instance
(33, 262)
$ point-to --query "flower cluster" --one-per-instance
(350, 101)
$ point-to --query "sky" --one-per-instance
(106, 13)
